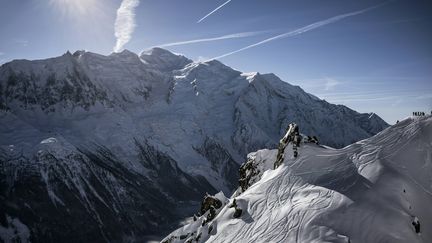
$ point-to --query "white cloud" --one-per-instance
(21, 42)
(125, 23)
(331, 83)
(212, 12)
(303, 29)
(224, 37)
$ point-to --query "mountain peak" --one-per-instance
(157, 51)
(78, 53)
(125, 54)
(163, 59)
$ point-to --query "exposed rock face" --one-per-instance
(238, 211)
(201, 227)
(208, 203)
(252, 170)
(220, 159)
(248, 173)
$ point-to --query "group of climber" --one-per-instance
(292, 135)
(419, 113)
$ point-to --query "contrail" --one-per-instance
(224, 37)
(125, 23)
(302, 30)
(212, 12)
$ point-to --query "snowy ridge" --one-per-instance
(370, 191)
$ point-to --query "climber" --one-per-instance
(416, 224)
(292, 135)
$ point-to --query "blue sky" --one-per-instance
(378, 60)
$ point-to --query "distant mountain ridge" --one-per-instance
(134, 136)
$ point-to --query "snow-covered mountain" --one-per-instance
(376, 190)
(137, 138)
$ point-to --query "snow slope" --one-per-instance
(178, 127)
(370, 191)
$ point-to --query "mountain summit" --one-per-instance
(127, 142)
(164, 60)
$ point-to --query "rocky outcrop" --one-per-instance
(208, 203)
(252, 170)
(201, 227)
